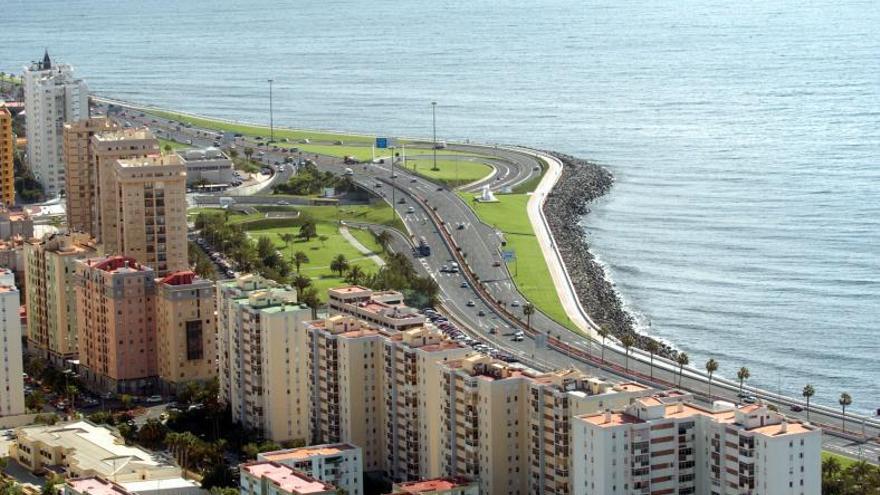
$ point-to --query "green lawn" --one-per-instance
(294, 135)
(320, 253)
(174, 145)
(532, 276)
(467, 171)
(844, 461)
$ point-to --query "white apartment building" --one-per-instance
(338, 464)
(11, 383)
(663, 445)
(381, 308)
(53, 96)
(258, 346)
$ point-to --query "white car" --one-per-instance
(153, 399)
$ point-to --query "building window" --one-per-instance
(194, 347)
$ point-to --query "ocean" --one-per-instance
(744, 224)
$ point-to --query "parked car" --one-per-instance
(153, 399)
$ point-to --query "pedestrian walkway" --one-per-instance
(360, 247)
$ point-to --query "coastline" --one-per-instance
(582, 182)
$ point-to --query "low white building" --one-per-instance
(271, 478)
(339, 464)
(95, 485)
(664, 445)
(207, 166)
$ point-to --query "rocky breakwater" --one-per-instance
(581, 183)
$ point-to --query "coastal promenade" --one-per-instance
(491, 290)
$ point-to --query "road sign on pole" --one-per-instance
(381, 143)
(508, 256)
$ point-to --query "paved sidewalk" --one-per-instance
(548, 246)
(360, 247)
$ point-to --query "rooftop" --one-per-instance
(431, 485)
(124, 135)
(307, 452)
(117, 264)
(95, 485)
(287, 478)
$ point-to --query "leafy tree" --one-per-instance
(220, 479)
(35, 401)
(287, 238)
(168, 149)
(152, 434)
(308, 230)
(310, 298)
(339, 264)
(384, 239)
(126, 401)
(323, 239)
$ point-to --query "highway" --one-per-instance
(484, 286)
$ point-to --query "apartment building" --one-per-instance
(271, 478)
(52, 97)
(7, 165)
(436, 486)
(344, 361)
(150, 204)
(11, 383)
(115, 307)
(510, 427)
(338, 464)
(411, 378)
(79, 171)
(96, 485)
(382, 308)
(106, 149)
(185, 330)
(258, 350)
(15, 224)
(664, 445)
(50, 269)
(82, 449)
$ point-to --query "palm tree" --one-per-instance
(845, 400)
(627, 340)
(355, 275)
(652, 347)
(248, 153)
(301, 282)
(300, 258)
(711, 367)
(528, 310)
(743, 375)
(808, 392)
(287, 238)
(339, 264)
(309, 297)
(603, 332)
(384, 239)
(683, 360)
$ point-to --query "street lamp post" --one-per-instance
(434, 119)
(271, 116)
(393, 187)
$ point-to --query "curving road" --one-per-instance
(454, 232)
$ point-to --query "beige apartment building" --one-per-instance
(7, 149)
(510, 427)
(185, 330)
(437, 486)
(79, 171)
(662, 445)
(258, 350)
(115, 305)
(50, 268)
(106, 149)
(150, 204)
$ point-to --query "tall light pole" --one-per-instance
(434, 118)
(393, 188)
(271, 116)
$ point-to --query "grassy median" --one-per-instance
(532, 277)
(452, 173)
